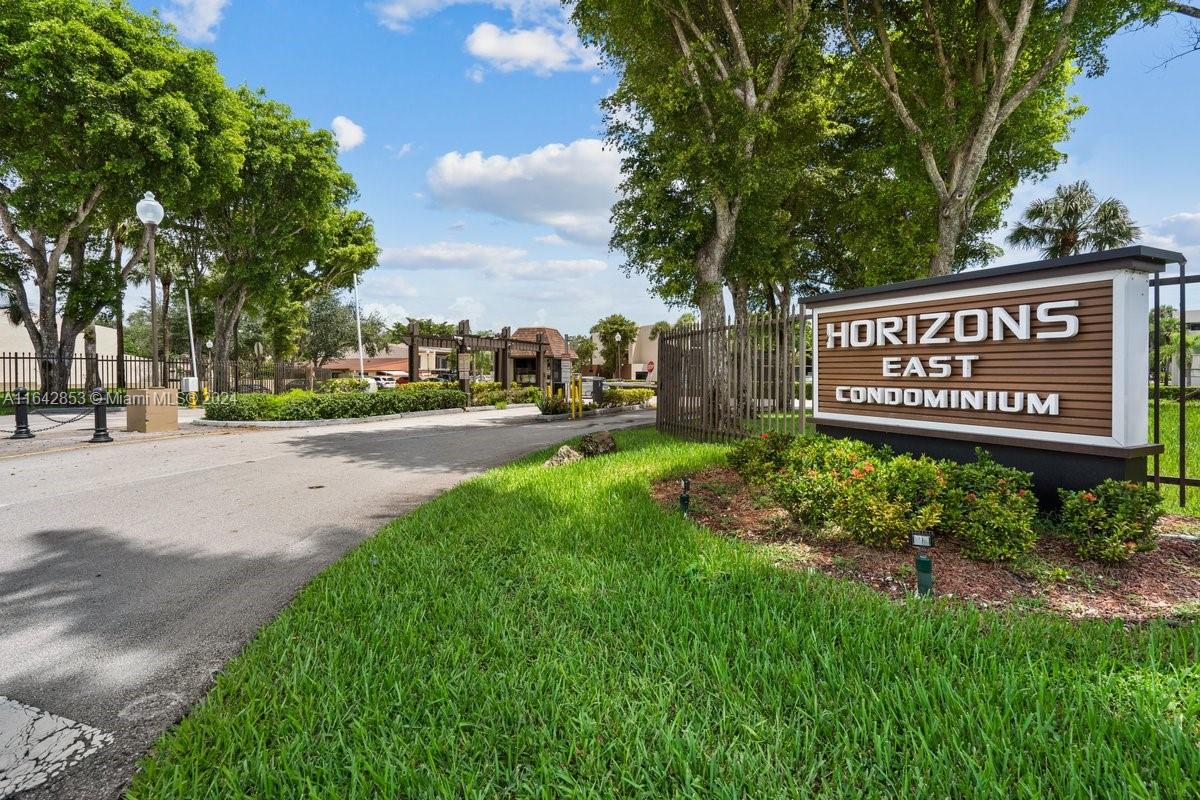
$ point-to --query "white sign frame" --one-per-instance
(1130, 359)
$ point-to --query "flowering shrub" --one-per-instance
(880, 505)
(878, 498)
(1112, 521)
(990, 508)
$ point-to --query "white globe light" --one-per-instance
(618, 337)
(149, 210)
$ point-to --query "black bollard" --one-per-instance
(22, 409)
(685, 497)
(100, 409)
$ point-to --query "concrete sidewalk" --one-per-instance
(51, 436)
(130, 574)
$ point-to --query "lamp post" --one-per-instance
(617, 358)
(150, 212)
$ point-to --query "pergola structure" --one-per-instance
(503, 348)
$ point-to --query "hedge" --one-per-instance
(626, 397)
(300, 404)
(1172, 392)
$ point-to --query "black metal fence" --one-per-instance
(24, 370)
(748, 377)
(726, 382)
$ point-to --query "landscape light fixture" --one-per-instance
(685, 497)
(150, 212)
(922, 541)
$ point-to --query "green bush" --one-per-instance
(761, 457)
(342, 385)
(877, 497)
(626, 397)
(492, 394)
(553, 404)
(880, 505)
(812, 477)
(301, 405)
(1112, 521)
(990, 509)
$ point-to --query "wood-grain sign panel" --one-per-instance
(1034, 360)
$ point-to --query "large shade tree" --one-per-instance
(707, 91)
(959, 76)
(99, 104)
(286, 228)
(1074, 220)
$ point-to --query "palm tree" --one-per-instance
(1074, 221)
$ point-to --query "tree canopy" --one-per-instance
(1074, 220)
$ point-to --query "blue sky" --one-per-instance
(473, 131)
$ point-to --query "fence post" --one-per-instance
(100, 415)
(22, 415)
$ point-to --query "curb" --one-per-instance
(594, 412)
(317, 423)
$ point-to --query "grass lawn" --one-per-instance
(552, 633)
(1169, 426)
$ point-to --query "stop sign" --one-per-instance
(649, 366)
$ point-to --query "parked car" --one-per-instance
(252, 388)
(386, 382)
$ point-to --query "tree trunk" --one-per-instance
(227, 310)
(951, 223)
(93, 362)
(718, 406)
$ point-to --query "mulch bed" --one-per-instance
(1163, 583)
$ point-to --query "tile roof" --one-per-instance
(557, 342)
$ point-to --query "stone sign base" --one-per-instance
(152, 410)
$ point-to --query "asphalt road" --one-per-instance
(130, 573)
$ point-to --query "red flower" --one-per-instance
(766, 436)
(868, 467)
(1091, 498)
(856, 473)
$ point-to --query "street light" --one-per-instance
(150, 212)
(617, 371)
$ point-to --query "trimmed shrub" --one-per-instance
(1113, 521)
(1173, 392)
(492, 394)
(990, 509)
(553, 404)
(757, 459)
(301, 405)
(342, 385)
(880, 505)
(626, 397)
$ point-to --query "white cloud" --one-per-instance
(195, 19)
(539, 49)
(382, 283)
(496, 261)
(467, 308)
(570, 188)
(550, 239)
(399, 152)
(475, 74)
(391, 312)
(348, 133)
(1183, 227)
(458, 225)
(398, 15)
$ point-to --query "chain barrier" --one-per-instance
(53, 422)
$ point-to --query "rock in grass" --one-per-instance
(597, 444)
(565, 455)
